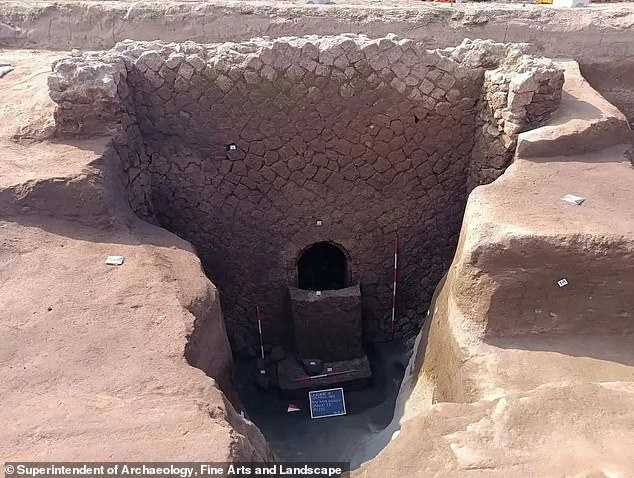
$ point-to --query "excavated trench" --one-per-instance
(615, 81)
(296, 163)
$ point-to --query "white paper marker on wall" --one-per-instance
(562, 282)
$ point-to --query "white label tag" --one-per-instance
(114, 260)
(572, 199)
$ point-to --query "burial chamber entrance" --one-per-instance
(323, 266)
(326, 312)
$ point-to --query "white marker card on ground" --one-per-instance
(114, 260)
(572, 199)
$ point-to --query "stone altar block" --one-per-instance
(327, 324)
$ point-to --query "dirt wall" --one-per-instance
(593, 35)
(598, 37)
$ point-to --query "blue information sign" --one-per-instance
(327, 403)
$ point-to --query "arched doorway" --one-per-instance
(322, 267)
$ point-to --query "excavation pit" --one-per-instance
(292, 166)
(256, 152)
(103, 346)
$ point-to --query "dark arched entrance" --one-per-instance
(322, 267)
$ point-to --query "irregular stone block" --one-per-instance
(152, 59)
(327, 326)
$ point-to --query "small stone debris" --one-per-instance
(262, 363)
(114, 260)
(572, 199)
(312, 366)
(277, 354)
(262, 380)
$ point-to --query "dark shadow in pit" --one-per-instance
(296, 437)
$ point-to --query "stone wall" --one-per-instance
(254, 151)
(516, 96)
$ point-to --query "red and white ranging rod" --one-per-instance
(394, 283)
(257, 313)
(323, 375)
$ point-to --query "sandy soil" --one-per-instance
(515, 376)
(596, 34)
(92, 356)
(409, 4)
(549, 402)
(31, 119)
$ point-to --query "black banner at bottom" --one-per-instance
(174, 470)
